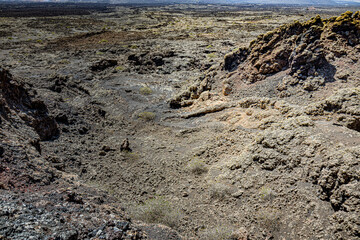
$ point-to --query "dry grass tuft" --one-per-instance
(147, 116)
(158, 210)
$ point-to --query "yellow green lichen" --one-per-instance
(317, 21)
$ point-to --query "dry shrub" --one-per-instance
(158, 210)
(269, 219)
(219, 191)
(147, 116)
(217, 233)
(132, 156)
(197, 166)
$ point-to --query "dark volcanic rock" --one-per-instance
(148, 62)
(14, 97)
(103, 64)
(42, 215)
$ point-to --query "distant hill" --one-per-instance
(282, 2)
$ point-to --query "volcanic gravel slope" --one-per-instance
(37, 200)
(105, 134)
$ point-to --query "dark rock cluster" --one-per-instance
(150, 61)
(52, 215)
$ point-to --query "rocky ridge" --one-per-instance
(303, 57)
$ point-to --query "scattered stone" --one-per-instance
(102, 112)
(240, 234)
(83, 130)
(125, 146)
(106, 148)
(62, 118)
(237, 194)
(73, 197)
(36, 143)
(103, 64)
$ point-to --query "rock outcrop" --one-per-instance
(306, 56)
(15, 99)
(303, 48)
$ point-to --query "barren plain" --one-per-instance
(179, 122)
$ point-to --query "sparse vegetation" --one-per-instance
(218, 233)
(269, 219)
(211, 55)
(147, 116)
(249, 139)
(103, 41)
(146, 90)
(120, 68)
(158, 210)
(105, 28)
(197, 166)
(219, 190)
(266, 194)
(64, 61)
(132, 156)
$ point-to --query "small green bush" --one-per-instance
(119, 68)
(146, 90)
(211, 55)
(158, 210)
(147, 116)
(103, 41)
